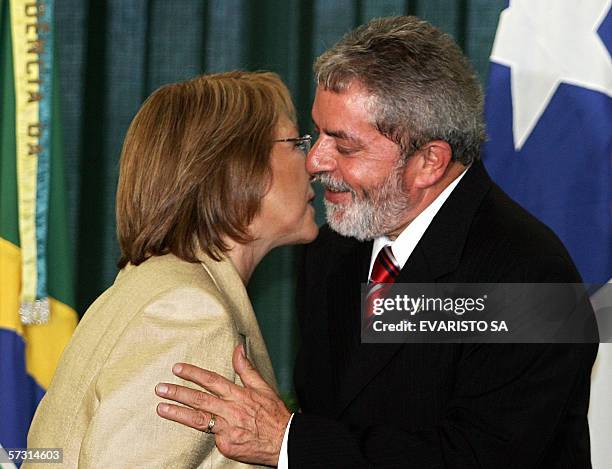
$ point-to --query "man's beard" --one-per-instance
(375, 214)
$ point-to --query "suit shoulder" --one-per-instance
(505, 232)
(164, 284)
(165, 273)
(509, 221)
(167, 270)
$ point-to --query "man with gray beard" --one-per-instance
(367, 216)
(398, 111)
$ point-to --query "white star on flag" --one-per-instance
(545, 43)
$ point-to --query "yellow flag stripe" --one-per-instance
(45, 342)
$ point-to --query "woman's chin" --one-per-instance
(314, 231)
(311, 226)
(306, 234)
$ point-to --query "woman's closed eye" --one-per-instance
(301, 146)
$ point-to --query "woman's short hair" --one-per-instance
(195, 164)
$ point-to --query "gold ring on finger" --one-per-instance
(211, 424)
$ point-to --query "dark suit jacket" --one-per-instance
(439, 405)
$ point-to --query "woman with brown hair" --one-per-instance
(212, 178)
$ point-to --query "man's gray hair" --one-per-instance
(423, 87)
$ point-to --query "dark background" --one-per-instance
(112, 54)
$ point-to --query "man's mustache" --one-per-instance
(332, 184)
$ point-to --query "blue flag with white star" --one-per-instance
(549, 119)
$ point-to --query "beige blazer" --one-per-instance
(100, 406)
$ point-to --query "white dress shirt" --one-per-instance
(407, 240)
(402, 248)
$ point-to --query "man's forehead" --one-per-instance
(336, 112)
(341, 134)
(353, 92)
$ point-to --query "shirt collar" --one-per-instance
(407, 240)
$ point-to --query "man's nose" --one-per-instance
(320, 157)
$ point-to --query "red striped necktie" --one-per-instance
(384, 272)
(385, 267)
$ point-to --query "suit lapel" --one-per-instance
(232, 288)
(343, 308)
(440, 249)
(364, 361)
(437, 253)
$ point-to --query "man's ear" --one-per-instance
(433, 160)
